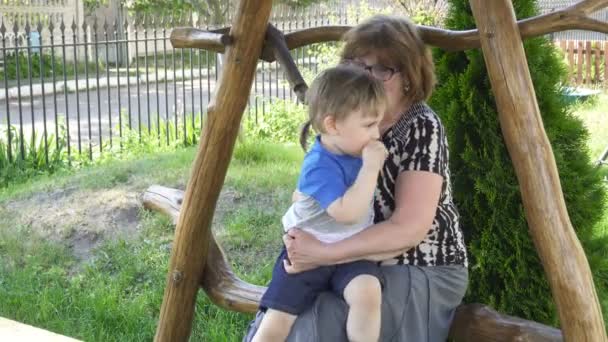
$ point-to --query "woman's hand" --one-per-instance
(304, 250)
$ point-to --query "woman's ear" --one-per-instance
(329, 125)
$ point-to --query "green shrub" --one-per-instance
(10, 67)
(280, 123)
(25, 157)
(505, 270)
(28, 159)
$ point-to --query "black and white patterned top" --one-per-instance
(417, 142)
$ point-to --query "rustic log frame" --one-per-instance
(276, 47)
(188, 37)
(576, 299)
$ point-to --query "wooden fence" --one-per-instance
(587, 62)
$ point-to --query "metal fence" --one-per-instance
(81, 88)
(84, 89)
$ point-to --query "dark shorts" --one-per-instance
(294, 293)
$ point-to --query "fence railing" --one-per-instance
(587, 62)
(84, 89)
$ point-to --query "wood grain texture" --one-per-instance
(189, 37)
(477, 322)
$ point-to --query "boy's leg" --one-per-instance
(363, 294)
(286, 297)
(275, 326)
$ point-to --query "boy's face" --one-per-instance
(356, 131)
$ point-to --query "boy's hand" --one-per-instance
(374, 154)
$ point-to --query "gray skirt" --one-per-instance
(418, 304)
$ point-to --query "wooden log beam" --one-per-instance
(193, 233)
(276, 47)
(575, 17)
(560, 251)
(473, 322)
(189, 37)
(477, 322)
(219, 282)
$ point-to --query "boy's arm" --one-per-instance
(355, 203)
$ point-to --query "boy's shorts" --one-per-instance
(293, 293)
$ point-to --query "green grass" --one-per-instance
(594, 114)
(117, 295)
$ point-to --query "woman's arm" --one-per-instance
(416, 198)
(297, 268)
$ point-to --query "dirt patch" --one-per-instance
(80, 218)
(84, 219)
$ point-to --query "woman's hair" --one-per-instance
(338, 92)
(396, 42)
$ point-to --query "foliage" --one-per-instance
(27, 158)
(425, 12)
(281, 123)
(213, 12)
(46, 62)
(24, 157)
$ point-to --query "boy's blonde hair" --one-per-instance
(339, 91)
(397, 43)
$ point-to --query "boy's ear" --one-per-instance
(329, 124)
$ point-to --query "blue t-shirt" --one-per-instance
(326, 176)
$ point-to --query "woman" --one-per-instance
(416, 220)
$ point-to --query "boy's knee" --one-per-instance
(364, 291)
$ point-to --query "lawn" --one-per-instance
(81, 257)
(80, 260)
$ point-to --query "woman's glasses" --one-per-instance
(379, 71)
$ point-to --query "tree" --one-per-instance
(425, 12)
(213, 12)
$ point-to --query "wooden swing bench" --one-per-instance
(198, 261)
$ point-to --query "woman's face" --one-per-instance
(393, 86)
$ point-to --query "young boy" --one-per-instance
(334, 201)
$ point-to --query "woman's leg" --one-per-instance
(420, 301)
(448, 287)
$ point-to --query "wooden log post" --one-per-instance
(560, 251)
(192, 235)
